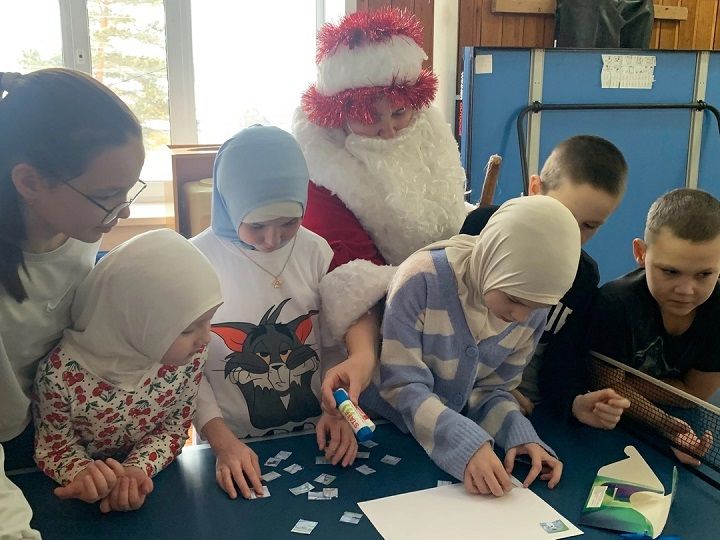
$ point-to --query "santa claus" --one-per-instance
(385, 169)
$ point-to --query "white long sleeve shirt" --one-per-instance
(30, 329)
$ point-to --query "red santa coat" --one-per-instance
(327, 216)
(376, 211)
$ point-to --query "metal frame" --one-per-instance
(696, 121)
(180, 72)
(536, 107)
(537, 71)
(75, 35)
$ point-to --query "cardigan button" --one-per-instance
(471, 351)
(458, 399)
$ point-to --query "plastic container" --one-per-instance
(197, 201)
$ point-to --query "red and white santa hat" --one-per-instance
(363, 58)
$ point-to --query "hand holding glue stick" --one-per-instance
(356, 417)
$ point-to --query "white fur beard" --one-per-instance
(407, 192)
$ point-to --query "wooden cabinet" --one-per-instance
(189, 163)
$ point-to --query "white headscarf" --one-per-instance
(136, 302)
(529, 249)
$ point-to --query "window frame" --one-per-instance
(76, 54)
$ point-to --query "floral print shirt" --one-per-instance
(80, 417)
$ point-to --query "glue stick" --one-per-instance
(358, 420)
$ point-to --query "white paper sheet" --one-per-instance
(627, 71)
(483, 64)
(451, 512)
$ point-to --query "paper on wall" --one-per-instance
(627, 71)
(483, 64)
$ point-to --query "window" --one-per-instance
(127, 44)
(30, 42)
(191, 70)
(251, 64)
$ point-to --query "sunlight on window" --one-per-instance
(334, 10)
(127, 42)
(252, 62)
(30, 42)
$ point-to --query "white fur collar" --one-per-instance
(405, 202)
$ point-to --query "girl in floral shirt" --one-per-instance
(114, 400)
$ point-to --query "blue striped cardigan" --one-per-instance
(435, 381)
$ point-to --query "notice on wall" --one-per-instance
(628, 71)
(483, 64)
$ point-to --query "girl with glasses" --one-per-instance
(71, 150)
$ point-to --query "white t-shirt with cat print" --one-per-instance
(262, 374)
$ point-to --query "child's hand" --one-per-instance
(129, 493)
(542, 463)
(600, 409)
(683, 435)
(237, 465)
(342, 446)
(526, 406)
(93, 483)
(353, 374)
(485, 474)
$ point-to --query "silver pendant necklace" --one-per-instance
(276, 282)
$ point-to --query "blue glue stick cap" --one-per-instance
(340, 395)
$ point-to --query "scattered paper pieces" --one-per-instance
(322, 460)
(270, 476)
(330, 493)
(283, 454)
(303, 526)
(554, 526)
(351, 517)
(368, 444)
(363, 455)
(441, 483)
(364, 469)
(266, 493)
(272, 462)
(292, 469)
(325, 479)
(299, 490)
(390, 460)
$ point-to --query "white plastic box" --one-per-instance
(196, 203)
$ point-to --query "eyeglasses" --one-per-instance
(113, 212)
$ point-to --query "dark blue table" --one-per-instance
(187, 503)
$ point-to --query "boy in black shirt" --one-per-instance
(588, 175)
(662, 318)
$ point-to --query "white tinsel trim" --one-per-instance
(374, 64)
(426, 207)
(347, 293)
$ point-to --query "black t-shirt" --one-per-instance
(558, 366)
(627, 325)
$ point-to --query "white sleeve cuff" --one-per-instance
(347, 293)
